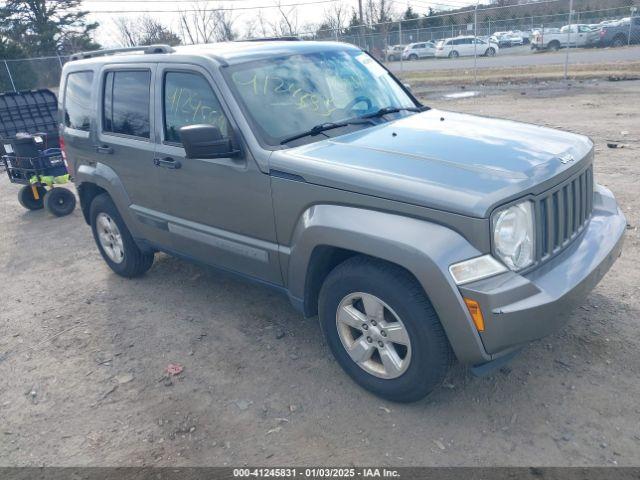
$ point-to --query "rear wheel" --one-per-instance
(383, 330)
(28, 200)
(114, 240)
(491, 52)
(454, 54)
(619, 41)
(59, 202)
(413, 56)
(554, 46)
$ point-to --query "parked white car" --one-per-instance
(415, 51)
(465, 46)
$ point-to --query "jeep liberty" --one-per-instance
(417, 236)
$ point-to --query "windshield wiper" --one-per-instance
(323, 127)
(386, 110)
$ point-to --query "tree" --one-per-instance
(144, 31)
(197, 25)
(22, 74)
(44, 27)
(334, 21)
(224, 26)
(410, 19)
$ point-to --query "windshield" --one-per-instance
(290, 95)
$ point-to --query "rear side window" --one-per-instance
(126, 103)
(189, 100)
(77, 100)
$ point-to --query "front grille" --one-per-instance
(562, 213)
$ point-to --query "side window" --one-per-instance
(126, 102)
(189, 100)
(77, 100)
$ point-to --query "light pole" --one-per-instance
(633, 12)
(566, 58)
(475, 43)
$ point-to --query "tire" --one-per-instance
(28, 201)
(428, 354)
(117, 246)
(491, 52)
(554, 46)
(59, 202)
(453, 54)
(619, 41)
(413, 56)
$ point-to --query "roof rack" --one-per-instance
(272, 39)
(147, 49)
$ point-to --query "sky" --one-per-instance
(310, 12)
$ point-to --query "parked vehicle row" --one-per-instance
(449, 47)
(609, 33)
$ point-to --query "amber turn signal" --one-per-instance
(476, 313)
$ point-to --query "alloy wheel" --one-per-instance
(110, 237)
(373, 335)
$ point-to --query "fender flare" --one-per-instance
(106, 178)
(423, 248)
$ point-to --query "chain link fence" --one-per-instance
(471, 44)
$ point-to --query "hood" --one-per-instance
(448, 161)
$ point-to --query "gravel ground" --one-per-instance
(83, 352)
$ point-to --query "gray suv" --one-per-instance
(416, 235)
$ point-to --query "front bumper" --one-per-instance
(520, 308)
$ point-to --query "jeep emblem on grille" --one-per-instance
(566, 158)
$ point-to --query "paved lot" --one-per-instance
(82, 351)
(521, 56)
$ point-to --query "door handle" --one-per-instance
(104, 149)
(167, 162)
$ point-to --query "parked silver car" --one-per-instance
(393, 53)
(415, 51)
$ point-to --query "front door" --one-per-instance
(218, 211)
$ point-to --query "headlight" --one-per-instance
(513, 235)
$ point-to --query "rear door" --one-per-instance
(219, 211)
(125, 123)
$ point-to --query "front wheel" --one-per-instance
(413, 56)
(27, 198)
(454, 54)
(383, 330)
(114, 240)
(59, 202)
(490, 52)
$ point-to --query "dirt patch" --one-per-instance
(84, 353)
(524, 74)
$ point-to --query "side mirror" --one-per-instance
(206, 141)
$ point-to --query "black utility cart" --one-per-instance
(31, 153)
